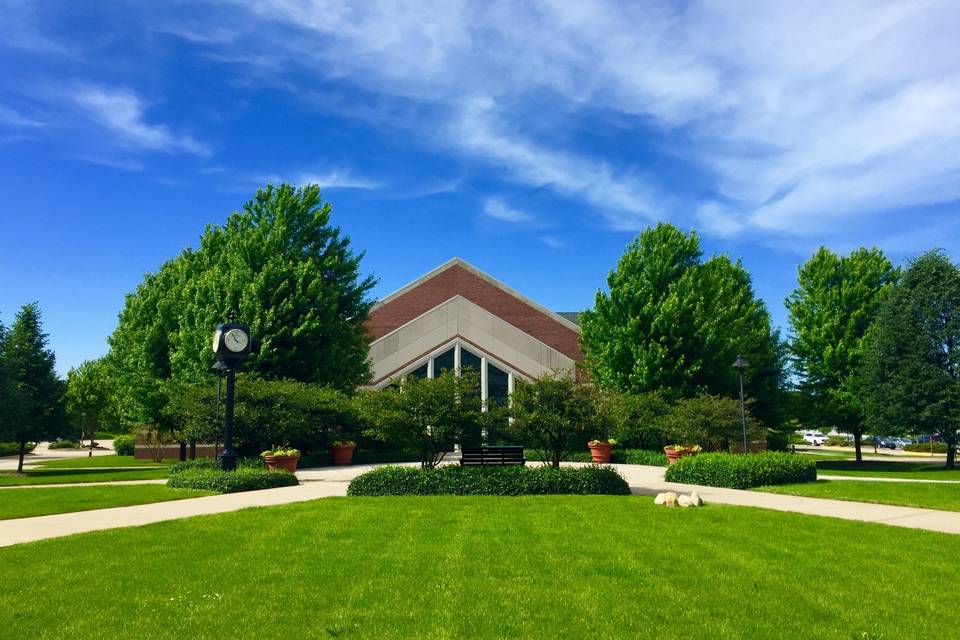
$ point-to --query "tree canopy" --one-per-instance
(284, 269)
(88, 395)
(833, 306)
(911, 370)
(674, 323)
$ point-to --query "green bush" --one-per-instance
(924, 447)
(838, 441)
(742, 471)
(243, 479)
(496, 481)
(13, 449)
(65, 443)
(361, 456)
(123, 445)
(213, 463)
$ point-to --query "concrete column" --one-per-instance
(456, 358)
(484, 393)
(430, 368)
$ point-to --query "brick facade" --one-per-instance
(457, 280)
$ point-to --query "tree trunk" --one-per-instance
(857, 440)
(90, 454)
(951, 455)
(183, 451)
(193, 448)
(556, 459)
(23, 452)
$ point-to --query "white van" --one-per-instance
(814, 438)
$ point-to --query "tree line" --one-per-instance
(871, 347)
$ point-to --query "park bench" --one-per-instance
(492, 456)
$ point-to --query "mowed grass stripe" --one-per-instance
(485, 567)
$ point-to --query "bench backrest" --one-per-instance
(492, 455)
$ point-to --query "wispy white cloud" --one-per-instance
(498, 210)
(803, 116)
(14, 118)
(335, 178)
(121, 112)
(553, 242)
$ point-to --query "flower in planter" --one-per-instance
(343, 443)
(609, 441)
(281, 452)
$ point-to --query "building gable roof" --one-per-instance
(457, 277)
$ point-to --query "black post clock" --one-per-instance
(231, 344)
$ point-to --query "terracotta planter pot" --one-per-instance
(673, 455)
(600, 452)
(288, 463)
(341, 455)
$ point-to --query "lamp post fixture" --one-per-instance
(231, 344)
(740, 365)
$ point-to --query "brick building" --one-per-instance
(456, 316)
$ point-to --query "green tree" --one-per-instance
(910, 377)
(286, 271)
(38, 412)
(635, 420)
(554, 415)
(88, 396)
(713, 422)
(836, 300)
(429, 415)
(266, 412)
(674, 323)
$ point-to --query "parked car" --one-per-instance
(902, 442)
(814, 437)
(887, 443)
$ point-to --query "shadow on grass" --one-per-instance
(879, 466)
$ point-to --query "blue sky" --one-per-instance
(532, 139)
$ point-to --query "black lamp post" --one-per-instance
(740, 365)
(231, 344)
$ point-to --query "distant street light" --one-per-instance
(740, 365)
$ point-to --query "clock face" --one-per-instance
(235, 340)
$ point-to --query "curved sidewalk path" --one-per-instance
(329, 482)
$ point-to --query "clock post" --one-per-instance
(231, 344)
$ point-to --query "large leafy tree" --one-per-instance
(911, 369)
(36, 402)
(284, 269)
(674, 323)
(836, 300)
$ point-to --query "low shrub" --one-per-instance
(496, 481)
(65, 443)
(924, 447)
(123, 445)
(243, 479)
(214, 463)
(838, 441)
(742, 471)
(13, 449)
(360, 456)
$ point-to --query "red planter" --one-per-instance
(289, 463)
(600, 452)
(342, 455)
(673, 455)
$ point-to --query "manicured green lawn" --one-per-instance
(485, 567)
(909, 494)
(883, 469)
(24, 503)
(62, 476)
(100, 461)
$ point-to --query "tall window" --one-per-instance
(497, 379)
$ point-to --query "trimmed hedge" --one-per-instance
(243, 479)
(214, 463)
(742, 471)
(65, 443)
(123, 445)
(496, 481)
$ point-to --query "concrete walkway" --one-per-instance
(875, 479)
(333, 481)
